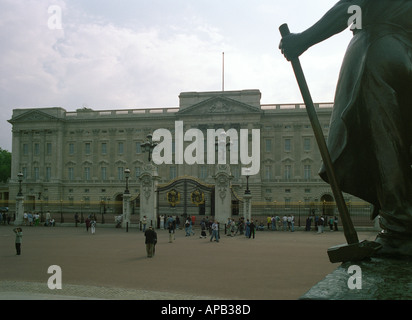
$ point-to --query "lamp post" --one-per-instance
(18, 220)
(20, 178)
(127, 175)
(41, 207)
(148, 146)
(247, 191)
(126, 202)
(300, 201)
(81, 211)
(61, 211)
(247, 198)
(102, 204)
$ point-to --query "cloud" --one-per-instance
(107, 64)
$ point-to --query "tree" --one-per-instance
(5, 165)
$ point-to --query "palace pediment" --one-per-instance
(218, 106)
(33, 116)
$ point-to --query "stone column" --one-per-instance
(223, 197)
(148, 195)
(19, 210)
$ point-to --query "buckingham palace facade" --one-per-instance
(72, 158)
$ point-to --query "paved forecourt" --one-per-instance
(112, 264)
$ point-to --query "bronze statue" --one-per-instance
(370, 138)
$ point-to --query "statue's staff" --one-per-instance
(355, 250)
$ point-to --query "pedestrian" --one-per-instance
(308, 223)
(247, 228)
(269, 221)
(19, 236)
(48, 217)
(289, 220)
(87, 224)
(150, 241)
(285, 222)
(93, 226)
(335, 223)
(171, 231)
(273, 220)
(279, 222)
(252, 229)
(233, 228)
(36, 219)
(187, 225)
(162, 222)
(330, 222)
(321, 222)
(215, 231)
(191, 223)
(203, 229)
(30, 218)
(5, 218)
(144, 223)
(292, 223)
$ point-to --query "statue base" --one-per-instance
(376, 279)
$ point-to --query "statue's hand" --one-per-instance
(292, 46)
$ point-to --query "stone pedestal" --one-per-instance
(247, 206)
(377, 279)
(19, 211)
(223, 196)
(148, 195)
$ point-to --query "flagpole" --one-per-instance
(223, 71)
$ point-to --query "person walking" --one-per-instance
(187, 225)
(150, 241)
(321, 224)
(203, 229)
(215, 231)
(292, 223)
(144, 223)
(252, 229)
(247, 233)
(93, 226)
(48, 218)
(19, 236)
(87, 224)
(335, 223)
(171, 231)
(285, 222)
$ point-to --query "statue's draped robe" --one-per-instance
(370, 137)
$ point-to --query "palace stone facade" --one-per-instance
(72, 158)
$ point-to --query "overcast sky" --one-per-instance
(143, 53)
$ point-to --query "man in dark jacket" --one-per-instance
(370, 137)
(151, 240)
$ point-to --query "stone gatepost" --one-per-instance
(223, 196)
(18, 221)
(148, 196)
